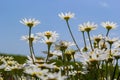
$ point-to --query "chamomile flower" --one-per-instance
(109, 25)
(35, 71)
(32, 38)
(111, 40)
(98, 38)
(30, 22)
(54, 53)
(117, 44)
(48, 34)
(87, 26)
(66, 16)
(63, 45)
(48, 41)
(93, 56)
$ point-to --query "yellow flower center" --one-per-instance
(30, 24)
(66, 17)
(88, 29)
(48, 34)
(108, 27)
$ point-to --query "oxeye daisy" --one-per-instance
(31, 39)
(66, 16)
(109, 25)
(63, 45)
(111, 40)
(48, 41)
(87, 26)
(97, 38)
(48, 34)
(30, 22)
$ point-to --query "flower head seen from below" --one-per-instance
(111, 40)
(87, 27)
(47, 41)
(31, 39)
(63, 45)
(66, 16)
(98, 38)
(109, 25)
(30, 22)
(48, 34)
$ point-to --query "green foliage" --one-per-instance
(19, 58)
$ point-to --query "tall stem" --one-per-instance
(84, 38)
(72, 36)
(33, 50)
(74, 58)
(115, 69)
(110, 48)
(48, 52)
(89, 39)
(63, 60)
(107, 32)
(30, 45)
(106, 70)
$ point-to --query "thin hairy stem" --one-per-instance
(90, 40)
(30, 44)
(48, 53)
(115, 69)
(72, 36)
(107, 32)
(84, 38)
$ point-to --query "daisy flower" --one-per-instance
(87, 26)
(63, 45)
(66, 16)
(30, 22)
(35, 71)
(54, 53)
(32, 38)
(97, 38)
(109, 25)
(111, 40)
(48, 41)
(48, 34)
(93, 56)
(117, 44)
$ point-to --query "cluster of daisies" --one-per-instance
(98, 59)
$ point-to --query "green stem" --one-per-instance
(84, 38)
(89, 39)
(74, 59)
(110, 49)
(110, 70)
(102, 75)
(30, 45)
(106, 70)
(106, 36)
(33, 50)
(48, 52)
(63, 60)
(107, 32)
(115, 69)
(72, 36)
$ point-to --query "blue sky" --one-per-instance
(12, 11)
